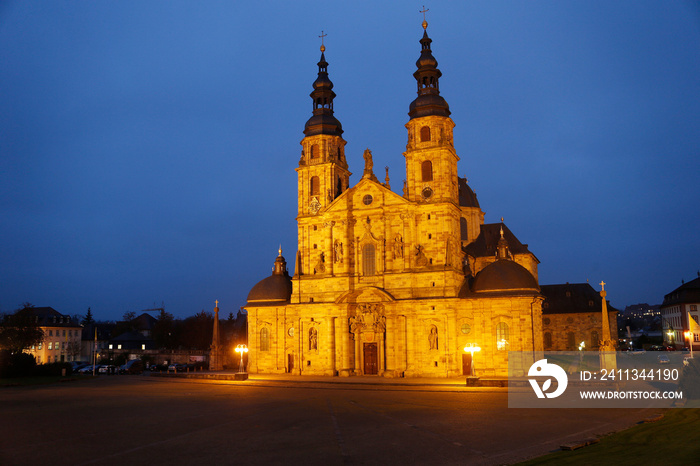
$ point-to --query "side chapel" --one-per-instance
(388, 284)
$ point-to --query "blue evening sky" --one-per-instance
(147, 149)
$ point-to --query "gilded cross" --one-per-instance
(424, 11)
(322, 36)
(602, 286)
(217, 303)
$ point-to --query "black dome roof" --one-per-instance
(504, 275)
(273, 290)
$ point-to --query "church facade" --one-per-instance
(388, 284)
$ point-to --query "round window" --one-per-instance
(547, 321)
(466, 328)
(427, 193)
(367, 200)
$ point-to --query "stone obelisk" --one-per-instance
(216, 362)
(608, 356)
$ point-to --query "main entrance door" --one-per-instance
(370, 354)
(466, 364)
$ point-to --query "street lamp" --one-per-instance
(689, 335)
(472, 348)
(241, 349)
(670, 334)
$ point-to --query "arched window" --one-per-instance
(339, 187)
(315, 187)
(595, 339)
(463, 230)
(368, 261)
(425, 134)
(502, 336)
(264, 339)
(426, 169)
(547, 340)
(314, 151)
(570, 341)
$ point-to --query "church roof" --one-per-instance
(572, 298)
(275, 289)
(323, 121)
(504, 275)
(486, 243)
(429, 101)
(467, 197)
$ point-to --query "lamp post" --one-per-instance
(241, 349)
(689, 335)
(472, 348)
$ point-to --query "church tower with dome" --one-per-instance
(387, 284)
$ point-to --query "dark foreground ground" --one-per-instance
(147, 420)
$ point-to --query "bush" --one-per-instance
(16, 365)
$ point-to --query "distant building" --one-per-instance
(61, 335)
(677, 305)
(571, 314)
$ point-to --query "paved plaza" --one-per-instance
(151, 420)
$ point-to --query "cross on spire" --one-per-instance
(323, 47)
(217, 303)
(602, 285)
(424, 11)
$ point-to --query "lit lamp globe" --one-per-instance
(241, 349)
(472, 348)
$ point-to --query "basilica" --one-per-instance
(393, 285)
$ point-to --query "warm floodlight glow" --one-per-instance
(472, 348)
(241, 349)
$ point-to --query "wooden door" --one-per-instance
(466, 364)
(370, 353)
(290, 363)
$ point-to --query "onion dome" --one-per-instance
(429, 101)
(323, 121)
(275, 289)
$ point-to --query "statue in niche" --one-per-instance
(313, 339)
(398, 246)
(433, 337)
(302, 160)
(338, 252)
(421, 259)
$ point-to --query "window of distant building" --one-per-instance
(502, 336)
(119, 346)
(64, 333)
(50, 333)
(264, 339)
(50, 345)
(368, 260)
(111, 346)
(425, 134)
(40, 345)
(143, 347)
(426, 169)
(57, 346)
(547, 340)
(314, 151)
